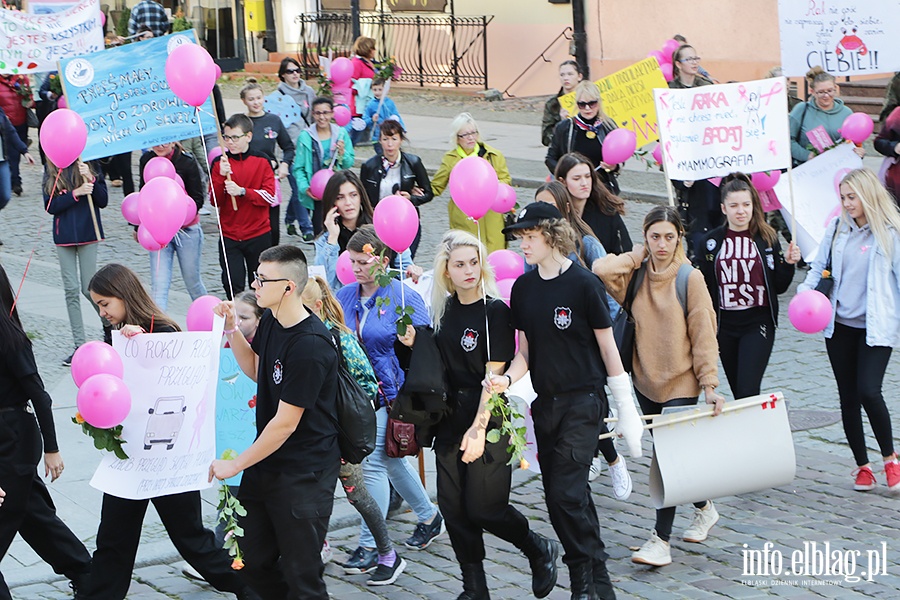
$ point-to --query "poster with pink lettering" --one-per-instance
(844, 37)
(715, 130)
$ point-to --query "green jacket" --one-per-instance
(550, 119)
(492, 155)
(309, 159)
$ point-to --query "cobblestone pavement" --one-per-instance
(818, 506)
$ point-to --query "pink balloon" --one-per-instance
(190, 211)
(200, 313)
(669, 48)
(94, 358)
(342, 115)
(341, 70)
(345, 269)
(618, 146)
(102, 19)
(657, 154)
(61, 102)
(506, 264)
(104, 400)
(159, 166)
(146, 240)
(161, 208)
(130, 208)
(716, 181)
(214, 152)
(318, 181)
(765, 180)
(63, 136)
(342, 94)
(190, 73)
(473, 186)
(659, 56)
(505, 200)
(667, 71)
(504, 286)
(218, 70)
(396, 222)
(179, 181)
(857, 127)
(810, 311)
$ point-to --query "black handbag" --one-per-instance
(826, 283)
(355, 413)
(623, 326)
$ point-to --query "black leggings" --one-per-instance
(859, 370)
(745, 339)
(665, 517)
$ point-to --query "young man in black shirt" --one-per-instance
(292, 467)
(567, 343)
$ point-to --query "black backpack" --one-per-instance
(355, 412)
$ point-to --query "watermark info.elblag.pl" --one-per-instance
(814, 564)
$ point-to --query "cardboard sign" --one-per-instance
(235, 409)
(125, 101)
(169, 433)
(628, 98)
(715, 130)
(33, 43)
(844, 37)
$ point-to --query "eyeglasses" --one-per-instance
(291, 71)
(233, 138)
(692, 59)
(321, 113)
(261, 282)
(588, 104)
(831, 92)
(468, 134)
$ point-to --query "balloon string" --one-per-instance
(487, 329)
(402, 285)
(216, 212)
(38, 237)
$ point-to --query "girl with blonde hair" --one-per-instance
(473, 333)
(862, 246)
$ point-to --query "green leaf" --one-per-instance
(240, 510)
(492, 436)
(238, 531)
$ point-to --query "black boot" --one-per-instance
(581, 579)
(474, 582)
(542, 554)
(603, 588)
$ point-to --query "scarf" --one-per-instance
(462, 153)
(591, 128)
(386, 165)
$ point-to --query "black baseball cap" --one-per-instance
(531, 216)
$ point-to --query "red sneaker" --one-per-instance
(892, 472)
(865, 479)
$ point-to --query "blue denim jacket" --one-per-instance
(379, 331)
(883, 285)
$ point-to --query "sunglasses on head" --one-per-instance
(588, 104)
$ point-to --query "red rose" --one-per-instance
(252, 402)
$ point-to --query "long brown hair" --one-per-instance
(332, 311)
(69, 178)
(739, 182)
(606, 201)
(563, 203)
(118, 281)
(329, 195)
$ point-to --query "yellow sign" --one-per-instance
(628, 98)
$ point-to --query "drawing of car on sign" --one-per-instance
(166, 419)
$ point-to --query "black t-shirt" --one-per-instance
(463, 344)
(299, 367)
(558, 317)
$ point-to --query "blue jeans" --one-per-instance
(378, 468)
(5, 184)
(187, 243)
(296, 211)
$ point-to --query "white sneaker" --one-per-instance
(327, 554)
(621, 479)
(596, 468)
(704, 519)
(654, 552)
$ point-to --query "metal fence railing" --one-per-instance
(430, 49)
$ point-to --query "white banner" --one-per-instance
(817, 195)
(844, 37)
(33, 43)
(170, 432)
(715, 130)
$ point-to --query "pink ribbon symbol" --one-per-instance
(743, 92)
(776, 88)
(773, 148)
(669, 151)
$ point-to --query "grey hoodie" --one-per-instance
(303, 96)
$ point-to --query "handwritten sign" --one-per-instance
(714, 130)
(628, 98)
(170, 430)
(844, 37)
(817, 195)
(125, 101)
(33, 43)
(235, 409)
